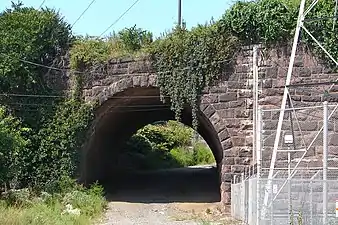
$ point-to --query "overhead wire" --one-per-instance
(119, 18)
(42, 3)
(90, 4)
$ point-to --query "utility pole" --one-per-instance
(179, 21)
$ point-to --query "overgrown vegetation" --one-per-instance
(39, 36)
(40, 134)
(167, 145)
(42, 129)
(187, 61)
(89, 51)
(13, 143)
(66, 203)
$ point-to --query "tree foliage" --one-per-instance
(133, 38)
(51, 148)
(323, 30)
(272, 22)
(39, 36)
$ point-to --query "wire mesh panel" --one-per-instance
(333, 140)
(296, 186)
(300, 142)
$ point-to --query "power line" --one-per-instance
(118, 19)
(42, 3)
(179, 19)
(28, 95)
(35, 64)
(83, 12)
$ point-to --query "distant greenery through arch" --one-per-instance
(165, 145)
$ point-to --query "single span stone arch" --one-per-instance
(226, 107)
(126, 105)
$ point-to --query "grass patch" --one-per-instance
(199, 154)
(76, 205)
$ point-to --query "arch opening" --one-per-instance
(118, 118)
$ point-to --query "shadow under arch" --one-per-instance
(120, 116)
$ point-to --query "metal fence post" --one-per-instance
(311, 203)
(271, 208)
(325, 152)
(258, 158)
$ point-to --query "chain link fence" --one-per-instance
(302, 187)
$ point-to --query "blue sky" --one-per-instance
(154, 15)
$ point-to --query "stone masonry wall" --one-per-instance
(228, 102)
(273, 66)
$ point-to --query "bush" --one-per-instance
(89, 51)
(17, 197)
(167, 136)
(60, 142)
(183, 157)
(203, 154)
(167, 145)
(13, 143)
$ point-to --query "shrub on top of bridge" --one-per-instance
(263, 21)
(272, 22)
(324, 30)
(90, 51)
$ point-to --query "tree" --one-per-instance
(31, 35)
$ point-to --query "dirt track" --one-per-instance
(188, 196)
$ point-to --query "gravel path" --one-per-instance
(186, 196)
(142, 214)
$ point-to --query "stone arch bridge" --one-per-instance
(128, 98)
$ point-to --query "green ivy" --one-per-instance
(13, 143)
(61, 141)
(187, 61)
